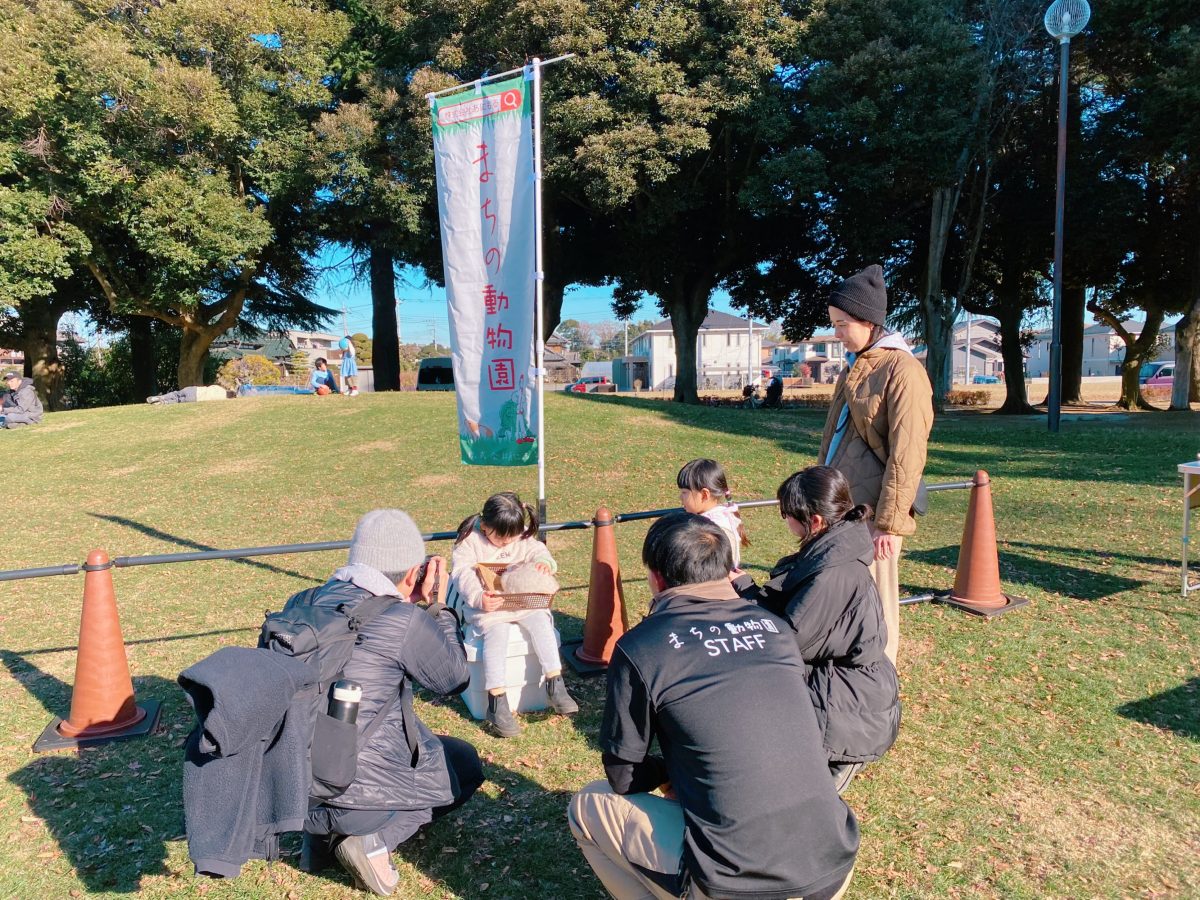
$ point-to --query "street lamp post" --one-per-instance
(1064, 19)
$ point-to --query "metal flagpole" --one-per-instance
(538, 281)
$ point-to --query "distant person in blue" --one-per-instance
(349, 367)
(322, 380)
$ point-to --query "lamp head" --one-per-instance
(1066, 18)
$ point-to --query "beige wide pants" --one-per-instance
(618, 834)
(886, 573)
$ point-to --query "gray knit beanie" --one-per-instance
(389, 541)
(862, 296)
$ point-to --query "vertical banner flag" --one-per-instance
(483, 148)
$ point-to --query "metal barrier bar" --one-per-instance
(155, 559)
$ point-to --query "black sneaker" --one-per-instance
(500, 717)
(367, 858)
(564, 704)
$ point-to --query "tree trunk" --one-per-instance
(1137, 351)
(1016, 399)
(141, 351)
(385, 349)
(39, 323)
(1187, 332)
(687, 315)
(193, 354)
(937, 314)
(1072, 345)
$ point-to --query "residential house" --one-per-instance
(1103, 350)
(728, 351)
(561, 363)
(824, 355)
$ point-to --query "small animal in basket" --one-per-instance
(527, 578)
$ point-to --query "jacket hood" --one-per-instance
(890, 341)
(843, 543)
(367, 578)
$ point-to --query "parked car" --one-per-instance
(587, 384)
(986, 379)
(435, 374)
(1164, 376)
(1151, 369)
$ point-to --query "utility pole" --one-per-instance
(967, 366)
(626, 337)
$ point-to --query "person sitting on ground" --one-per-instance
(21, 405)
(322, 380)
(827, 594)
(390, 797)
(747, 806)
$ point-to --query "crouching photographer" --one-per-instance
(406, 776)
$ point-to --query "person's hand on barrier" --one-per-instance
(886, 545)
(492, 601)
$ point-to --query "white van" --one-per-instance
(435, 374)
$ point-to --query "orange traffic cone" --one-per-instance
(606, 619)
(102, 702)
(977, 579)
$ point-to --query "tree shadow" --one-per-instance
(1176, 710)
(194, 545)
(1089, 554)
(1022, 569)
(110, 809)
(511, 836)
(151, 640)
(1030, 452)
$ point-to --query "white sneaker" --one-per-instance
(366, 857)
(354, 392)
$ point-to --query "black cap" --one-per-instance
(11, 373)
(862, 296)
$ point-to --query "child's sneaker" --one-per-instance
(500, 718)
(366, 857)
(564, 704)
(354, 392)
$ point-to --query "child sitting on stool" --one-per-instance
(505, 532)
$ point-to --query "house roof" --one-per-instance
(714, 321)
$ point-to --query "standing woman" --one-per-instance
(878, 427)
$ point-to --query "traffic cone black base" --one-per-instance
(53, 739)
(983, 612)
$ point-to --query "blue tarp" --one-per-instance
(265, 390)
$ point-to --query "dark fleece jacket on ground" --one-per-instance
(245, 771)
(827, 593)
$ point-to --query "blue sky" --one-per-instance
(422, 309)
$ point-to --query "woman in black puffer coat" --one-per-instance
(827, 593)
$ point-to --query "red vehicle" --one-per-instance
(587, 385)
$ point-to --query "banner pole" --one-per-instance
(539, 277)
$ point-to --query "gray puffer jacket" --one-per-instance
(827, 593)
(401, 643)
(24, 403)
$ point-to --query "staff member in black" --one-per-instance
(747, 807)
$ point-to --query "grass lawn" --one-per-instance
(1051, 752)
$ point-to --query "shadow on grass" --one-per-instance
(193, 545)
(1091, 555)
(111, 809)
(1176, 710)
(1024, 450)
(1071, 581)
(153, 640)
(516, 843)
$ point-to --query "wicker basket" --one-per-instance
(489, 575)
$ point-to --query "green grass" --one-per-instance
(1051, 752)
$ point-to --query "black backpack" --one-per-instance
(322, 628)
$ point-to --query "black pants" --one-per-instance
(395, 826)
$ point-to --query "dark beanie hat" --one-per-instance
(862, 296)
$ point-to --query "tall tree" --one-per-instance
(175, 136)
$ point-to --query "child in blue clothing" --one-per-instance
(322, 379)
(349, 367)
